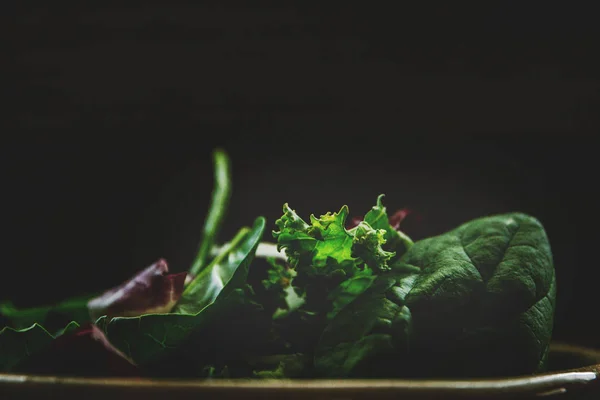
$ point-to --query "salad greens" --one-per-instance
(328, 298)
(18, 344)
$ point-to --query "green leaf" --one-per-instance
(71, 326)
(367, 244)
(147, 337)
(334, 241)
(350, 289)
(279, 275)
(293, 236)
(373, 328)
(327, 256)
(220, 200)
(321, 248)
(314, 247)
(18, 344)
(53, 317)
(396, 241)
(486, 292)
(231, 264)
(279, 286)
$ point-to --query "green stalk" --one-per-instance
(220, 200)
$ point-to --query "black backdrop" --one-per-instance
(113, 112)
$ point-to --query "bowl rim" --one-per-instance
(534, 385)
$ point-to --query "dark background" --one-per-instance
(111, 114)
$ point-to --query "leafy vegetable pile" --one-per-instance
(331, 298)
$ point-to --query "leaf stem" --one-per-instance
(408, 242)
(220, 200)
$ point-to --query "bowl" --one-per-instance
(573, 373)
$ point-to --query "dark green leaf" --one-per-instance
(278, 286)
(146, 337)
(53, 317)
(18, 344)
(485, 298)
(350, 289)
(368, 332)
(396, 241)
(230, 266)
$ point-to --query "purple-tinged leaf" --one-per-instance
(151, 291)
(397, 217)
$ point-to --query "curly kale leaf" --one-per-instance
(333, 265)
(367, 244)
(396, 240)
(319, 248)
(326, 246)
(277, 287)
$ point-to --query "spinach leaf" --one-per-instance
(53, 317)
(230, 265)
(146, 337)
(18, 344)
(349, 289)
(484, 301)
(80, 351)
(369, 333)
(220, 199)
(481, 304)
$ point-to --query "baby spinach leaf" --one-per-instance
(19, 344)
(230, 265)
(81, 350)
(370, 331)
(484, 301)
(349, 289)
(146, 337)
(53, 317)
